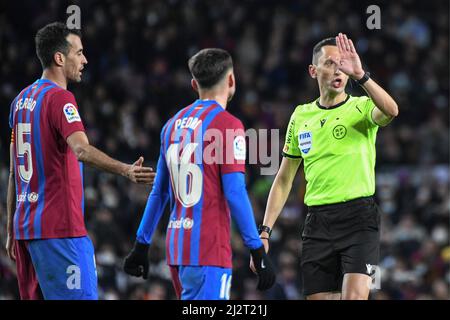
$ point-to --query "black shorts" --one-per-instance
(338, 239)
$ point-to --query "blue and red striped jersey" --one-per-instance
(48, 176)
(198, 145)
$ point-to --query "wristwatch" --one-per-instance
(263, 228)
(364, 78)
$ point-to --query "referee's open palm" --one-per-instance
(349, 62)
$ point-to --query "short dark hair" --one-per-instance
(51, 39)
(317, 48)
(208, 66)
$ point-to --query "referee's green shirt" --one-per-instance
(338, 149)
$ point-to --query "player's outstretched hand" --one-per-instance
(139, 174)
(264, 268)
(136, 262)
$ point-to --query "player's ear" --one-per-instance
(194, 85)
(231, 80)
(312, 71)
(59, 58)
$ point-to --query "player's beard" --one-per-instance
(75, 78)
(73, 72)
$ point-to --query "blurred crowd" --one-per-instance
(137, 78)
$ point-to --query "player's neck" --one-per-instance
(332, 99)
(219, 98)
(55, 77)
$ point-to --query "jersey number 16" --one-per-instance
(186, 177)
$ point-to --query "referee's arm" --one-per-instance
(279, 192)
(350, 63)
(386, 108)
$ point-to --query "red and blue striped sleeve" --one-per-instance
(63, 114)
(234, 144)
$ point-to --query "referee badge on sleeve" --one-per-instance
(305, 141)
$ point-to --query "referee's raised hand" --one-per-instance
(349, 62)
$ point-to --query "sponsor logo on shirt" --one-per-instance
(188, 223)
(185, 223)
(239, 148)
(71, 113)
(33, 197)
(290, 132)
(305, 141)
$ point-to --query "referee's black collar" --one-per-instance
(332, 107)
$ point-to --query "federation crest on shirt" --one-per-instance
(305, 141)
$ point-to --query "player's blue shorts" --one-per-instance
(201, 282)
(65, 268)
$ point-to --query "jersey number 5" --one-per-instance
(23, 150)
(186, 177)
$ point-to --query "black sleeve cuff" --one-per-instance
(290, 156)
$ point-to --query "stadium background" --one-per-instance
(137, 78)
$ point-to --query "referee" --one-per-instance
(335, 137)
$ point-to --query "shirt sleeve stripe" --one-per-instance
(290, 156)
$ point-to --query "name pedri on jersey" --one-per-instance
(199, 227)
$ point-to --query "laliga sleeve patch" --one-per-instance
(71, 113)
(239, 147)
